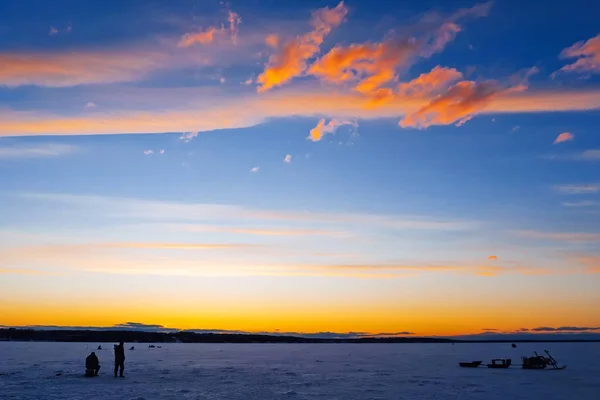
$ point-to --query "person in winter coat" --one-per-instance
(119, 359)
(92, 365)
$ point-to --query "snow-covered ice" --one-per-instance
(37, 370)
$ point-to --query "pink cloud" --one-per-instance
(204, 37)
(564, 137)
(234, 20)
(272, 41)
(587, 54)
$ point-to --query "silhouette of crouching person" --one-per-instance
(119, 359)
(92, 365)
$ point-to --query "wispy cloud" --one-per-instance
(86, 67)
(254, 169)
(188, 136)
(287, 159)
(36, 150)
(261, 231)
(587, 54)
(582, 203)
(590, 155)
(492, 257)
(291, 59)
(590, 262)
(577, 188)
(203, 37)
(148, 152)
(573, 237)
(178, 211)
(89, 105)
(322, 128)
(53, 31)
(234, 20)
(564, 137)
(162, 151)
(209, 34)
(199, 110)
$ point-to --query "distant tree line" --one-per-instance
(182, 337)
(101, 336)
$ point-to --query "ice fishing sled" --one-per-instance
(470, 364)
(500, 363)
(541, 362)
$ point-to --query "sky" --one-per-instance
(422, 167)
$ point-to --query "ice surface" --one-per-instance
(36, 370)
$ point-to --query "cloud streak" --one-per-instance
(578, 188)
(18, 151)
(570, 237)
(227, 112)
(587, 54)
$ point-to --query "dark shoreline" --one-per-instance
(132, 336)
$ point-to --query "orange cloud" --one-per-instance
(458, 104)
(90, 67)
(564, 137)
(372, 65)
(205, 37)
(190, 110)
(430, 83)
(291, 59)
(587, 54)
(209, 35)
(492, 257)
(272, 41)
(69, 69)
(322, 128)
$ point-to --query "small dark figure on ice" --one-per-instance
(119, 359)
(92, 365)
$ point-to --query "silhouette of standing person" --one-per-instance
(119, 359)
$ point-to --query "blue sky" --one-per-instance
(344, 150)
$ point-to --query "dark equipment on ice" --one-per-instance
(514, 346)
(471, 364)
(500, 363)
(541, 362)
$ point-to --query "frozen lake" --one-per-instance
(36, 370)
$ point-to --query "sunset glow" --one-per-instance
(350, 166)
